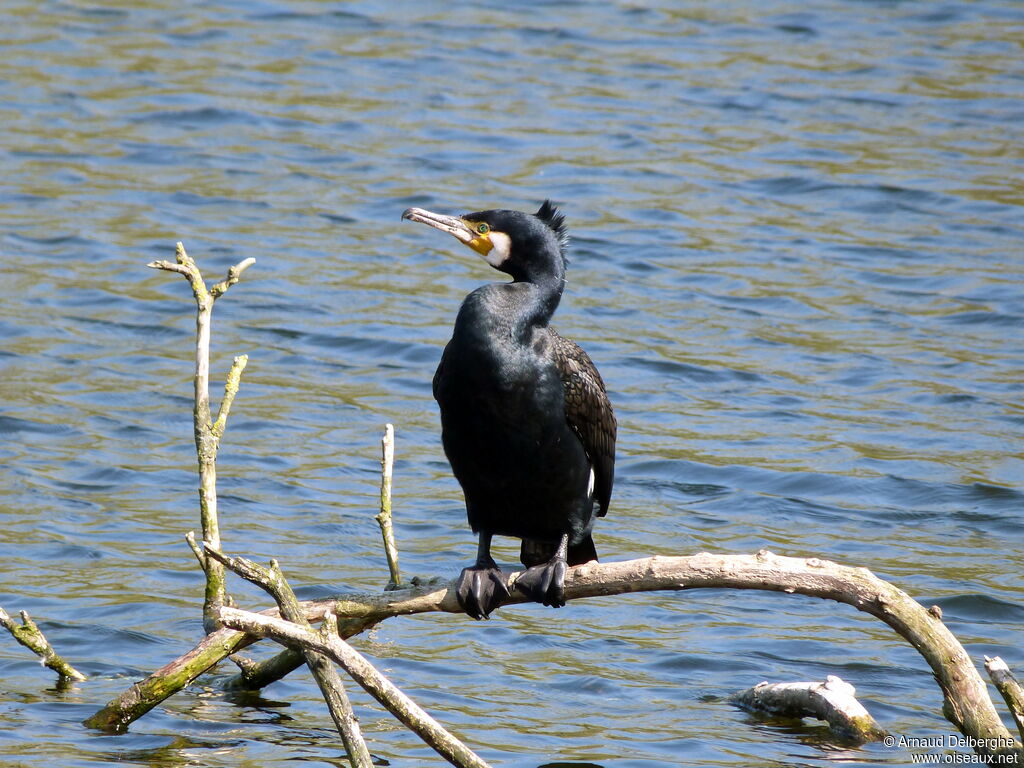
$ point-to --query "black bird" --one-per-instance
(526, 422)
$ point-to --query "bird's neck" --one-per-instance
(539, 302)
(503, 310)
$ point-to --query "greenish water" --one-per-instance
(796, 259)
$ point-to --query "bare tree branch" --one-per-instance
(142, 696)
(234, 273)
(230, 390)
(1009, 688)
(253, 675)
(273, 581)
(32, 637)
(387, 463)
(207, 432)
(190, 538)
(364, 673)
(966, 701)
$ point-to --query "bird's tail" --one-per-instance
(536, 551)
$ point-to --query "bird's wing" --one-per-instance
(589, 413)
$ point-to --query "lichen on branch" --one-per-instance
(208, 432)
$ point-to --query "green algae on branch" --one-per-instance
(142, 696)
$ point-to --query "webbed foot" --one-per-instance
(481, 588)
(545, 583)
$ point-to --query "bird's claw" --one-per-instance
(480, 589)
(545, 583)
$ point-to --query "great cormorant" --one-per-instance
(526, 422)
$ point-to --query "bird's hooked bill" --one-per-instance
(453, 225)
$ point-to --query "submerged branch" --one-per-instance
(833, 701)
(32, 637)
(253, 675)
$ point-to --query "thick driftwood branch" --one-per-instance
(966, 701)
(32, 637)
(364, 673)
(1009, 688)
(387, 463)
(273, 581)
(207, 432)
(833, 701)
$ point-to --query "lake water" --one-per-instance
(796, 259)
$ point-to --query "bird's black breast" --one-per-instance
(522, 465)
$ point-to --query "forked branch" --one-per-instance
(207, 431)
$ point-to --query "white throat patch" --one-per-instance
(501, 247)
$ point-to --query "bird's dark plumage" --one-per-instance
(526, 422)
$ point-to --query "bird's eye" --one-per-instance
(482, 228)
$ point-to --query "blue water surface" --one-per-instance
(796, 259)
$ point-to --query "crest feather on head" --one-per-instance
(555, 219)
